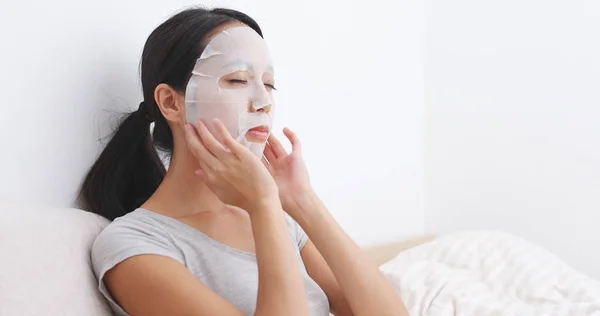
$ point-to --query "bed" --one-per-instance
(487, 273)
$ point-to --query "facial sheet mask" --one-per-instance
(239, 107)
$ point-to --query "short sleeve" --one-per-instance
(297, 233)
(125, 238)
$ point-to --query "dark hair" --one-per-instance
(129, 170)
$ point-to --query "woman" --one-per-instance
(208, 236)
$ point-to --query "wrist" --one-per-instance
(264, 212)
(306, 208)
(306, 201)
(264, 204)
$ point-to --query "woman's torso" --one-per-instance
(230, 272)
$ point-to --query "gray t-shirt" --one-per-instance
(231, 273)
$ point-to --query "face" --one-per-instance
(233, 81)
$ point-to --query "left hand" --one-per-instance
(288, 170)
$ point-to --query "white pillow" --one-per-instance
(45, 262)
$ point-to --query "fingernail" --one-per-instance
(187, 126)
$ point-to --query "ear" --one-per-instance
(171, 103)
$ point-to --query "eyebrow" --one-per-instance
(245, 65)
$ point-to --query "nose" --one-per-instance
(253, 108)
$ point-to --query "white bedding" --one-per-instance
(489, 273)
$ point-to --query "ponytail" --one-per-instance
(127, 172)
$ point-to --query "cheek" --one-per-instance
(237, 96)
(230, 107)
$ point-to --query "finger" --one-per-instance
(204, 156)
(217, 134)
(269, 154)
(277, 147)
(228, 140)
(266, 163)
(294, 140)
(210, 141)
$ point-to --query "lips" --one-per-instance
(259, 133)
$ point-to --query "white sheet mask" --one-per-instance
(239, 108)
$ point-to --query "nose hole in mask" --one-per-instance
(265, 109)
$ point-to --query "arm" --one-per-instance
(157, 285)
(154, 285)
(319, 271)
(280, 285)
(365, 289)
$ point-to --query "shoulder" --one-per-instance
(139, 221)
(133, 234)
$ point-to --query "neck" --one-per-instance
(182, 193)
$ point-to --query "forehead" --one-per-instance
(239, 44)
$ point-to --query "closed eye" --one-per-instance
(243, 82)
(237, 81)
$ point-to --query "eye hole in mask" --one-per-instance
(240, 79)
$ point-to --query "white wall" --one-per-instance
(350, 80)
(353, 88)
(512, 121)
(511, 127)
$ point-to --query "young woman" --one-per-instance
(221, 232)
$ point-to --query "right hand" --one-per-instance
(229, 169)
